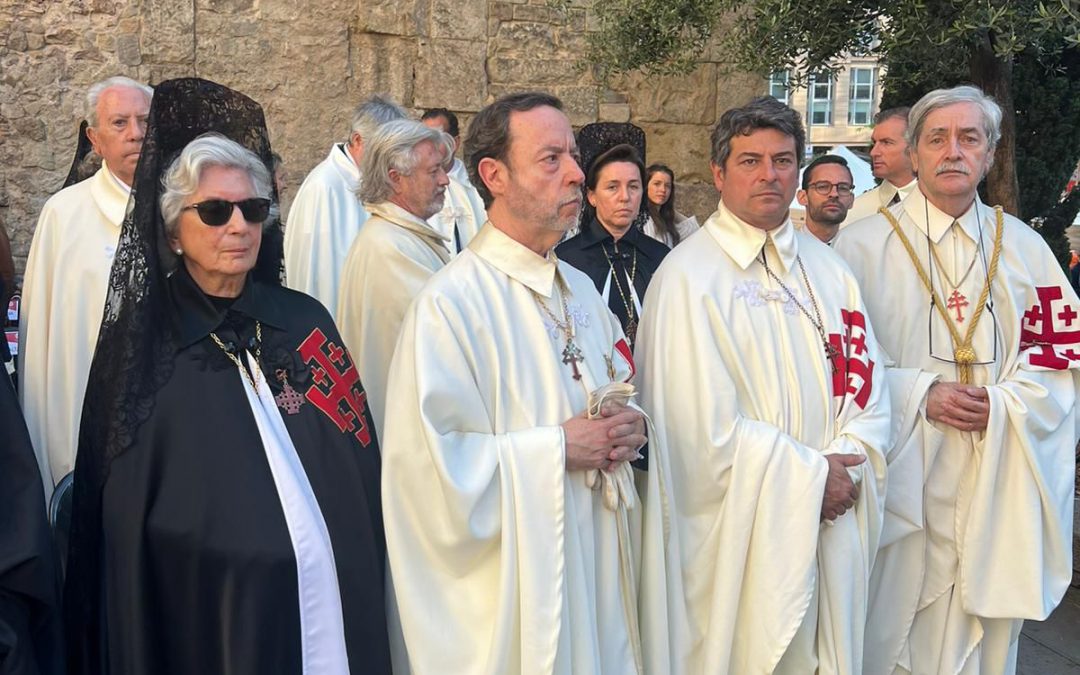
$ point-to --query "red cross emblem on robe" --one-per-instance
(336, 385)
(854, 369)
(1050, 331)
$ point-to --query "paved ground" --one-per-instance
(1052, 647)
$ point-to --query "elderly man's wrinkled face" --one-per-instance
(421, 193)
(219, 257)
(121, 125)
(758, 180)
(953, 153)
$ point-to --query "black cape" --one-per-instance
(200, 575)
(30, 618)
(591, 250)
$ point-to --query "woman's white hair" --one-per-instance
(181, 180)
(98, 88)
(939, 98)
(394, 147)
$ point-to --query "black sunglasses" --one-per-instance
(216, 212)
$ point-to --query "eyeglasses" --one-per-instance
(216, 212)
(824, 187)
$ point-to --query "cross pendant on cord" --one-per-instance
(571, 355)
(957, 301)
(832, 354)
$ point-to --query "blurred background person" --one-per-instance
(664, 223)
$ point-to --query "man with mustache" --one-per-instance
(505, 559)
(765, 382)
(67, 276)
(980, 329)
(890, 163)
(827, 194)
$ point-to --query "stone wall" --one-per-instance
(310, 63)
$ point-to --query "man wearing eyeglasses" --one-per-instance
(67, 276)
(982, 334)
(827, 193)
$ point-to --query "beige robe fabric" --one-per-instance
(978, 525)
(463, 209)
(64, 289)
(503, 561)
(324, 218)
(747, 404)
(868, 203)
(389, 262)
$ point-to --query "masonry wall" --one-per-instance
(309, 63)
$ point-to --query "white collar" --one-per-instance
(934, 223)
(516, 260)
(343, 162)
(111, 194)
(395, 214)
(459, 173)
(743, 242)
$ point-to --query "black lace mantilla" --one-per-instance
(597, 138)
(86, 162)
(135, 349)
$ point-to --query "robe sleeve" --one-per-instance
(474, 514)
(35, 312)
(747, 495)
(1015, 551)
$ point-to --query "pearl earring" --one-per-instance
(179, 251)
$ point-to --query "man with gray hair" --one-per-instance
(326, 214)
(764, 379)
(67, 275)
(980, 329)
(890, 163)
(404, 166)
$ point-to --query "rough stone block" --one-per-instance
(532, 13)
(523, 37)
(450, 74)
(527, 72)
(695, 198)
(737, 89)
(17, 41)
(614, 112)
(383, 63)
(393, 17)
(458, 20)
(503, 11)
(683, 147)
(579, 102)
(127, 50)
(684, 99)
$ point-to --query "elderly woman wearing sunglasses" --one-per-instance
(233, 502)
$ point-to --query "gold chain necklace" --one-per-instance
(963, 351)
(258, 353)
(571, 355)
(832, 354)
(631, 319)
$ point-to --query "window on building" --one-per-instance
(778, 86)
(860, 96)
(819, 103)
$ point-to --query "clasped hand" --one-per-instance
(960, 406)
(841, 492)
(602, 443)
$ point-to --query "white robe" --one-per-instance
(747, 404)
(64, 289)
(868, 203)
(463, 210)
(503, 561)
(324, 218)
(978, 525)
(389, 262)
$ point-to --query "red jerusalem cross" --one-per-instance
(336, 388)
(957, 301)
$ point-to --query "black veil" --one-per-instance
(86, 162)
(135, 348)
(597, 138)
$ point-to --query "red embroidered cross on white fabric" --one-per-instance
(853, 371)
(1051, 331)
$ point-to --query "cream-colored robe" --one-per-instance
(868, 203)
(463, 209)
(978, 526)
(324, 218)
(64, 289)
(747, 404)
(389, 262)
(503, 562)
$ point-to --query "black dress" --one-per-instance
(596, 253)
(199, 571)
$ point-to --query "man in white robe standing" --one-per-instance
(765, 382)
(326, 214)
(397, 251)
(67, 276)
(890, 163)
(505, 559)
(463, 212)
(979, 325)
